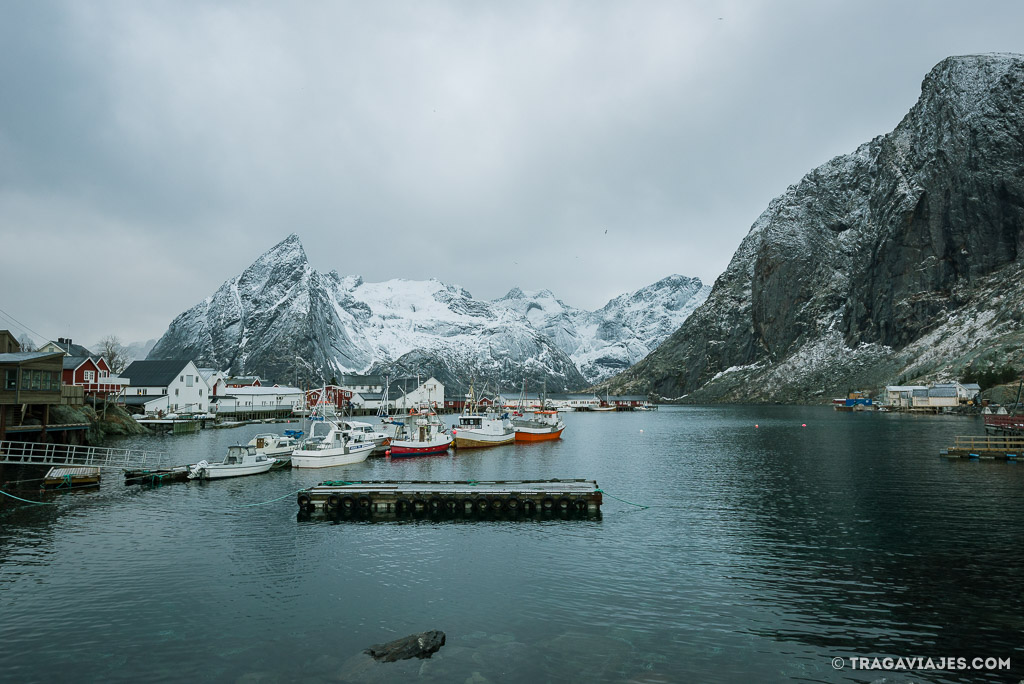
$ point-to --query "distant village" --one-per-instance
(61, 372)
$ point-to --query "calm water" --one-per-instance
(765, 553)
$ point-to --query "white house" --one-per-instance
(215, 379)
(177, 383)
(252, 399)
(405, 393)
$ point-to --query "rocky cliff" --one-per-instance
(897, 262)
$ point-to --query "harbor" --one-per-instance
(744, 528)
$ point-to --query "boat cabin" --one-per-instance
(239, 454)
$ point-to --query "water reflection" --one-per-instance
(765, 552)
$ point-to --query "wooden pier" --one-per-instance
(988, 447)
(452, 498)
(68, 478)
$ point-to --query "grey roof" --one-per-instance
(73, 362)
(21, 357)
(972, 386)
(72, 348)
(355, 380)
(920, 393)
(153, 373)
(237, 379)
(371, 396)
(942, 391)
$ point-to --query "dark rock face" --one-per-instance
(893, 261)
(421, 645)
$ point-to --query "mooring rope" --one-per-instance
(601, 491)
(37, 503)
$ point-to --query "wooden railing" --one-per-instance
(989, 443)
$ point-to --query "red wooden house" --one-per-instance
(333, 396)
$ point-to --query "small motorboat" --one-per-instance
(270, 444)
(240, 460)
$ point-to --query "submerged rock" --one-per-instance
(422, 645)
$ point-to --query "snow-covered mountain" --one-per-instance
(282, 319)
(607, 341)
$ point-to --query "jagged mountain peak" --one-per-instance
(280, 309)
(890, 262)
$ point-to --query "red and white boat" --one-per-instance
(421, 433)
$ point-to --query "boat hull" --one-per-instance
(326, 458)
(467, 439)
(219, 472)
(402, 448)
(538, 434)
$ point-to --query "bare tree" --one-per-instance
(26, 343)
(113, 351)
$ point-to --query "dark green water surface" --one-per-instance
(766, 552)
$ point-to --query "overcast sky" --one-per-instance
(150, 151)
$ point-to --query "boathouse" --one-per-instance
(258, 402)
(31, 384)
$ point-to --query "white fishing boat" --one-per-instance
(477, 430)
(337, 447)
(240, 460)
(420, 433)
(483, 430)
(270, 444)
(381, 440)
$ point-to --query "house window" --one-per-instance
(200, 392)
(37, 379)
(181, 377)
(175, 391)
(188, 381)
(46, 382)
(11, 379)
(89, 376)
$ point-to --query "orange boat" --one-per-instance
(541, 426)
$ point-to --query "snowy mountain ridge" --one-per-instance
(283, 319)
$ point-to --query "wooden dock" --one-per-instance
(66, 478)
(452, 498)
(157, 476)
(989, 447)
